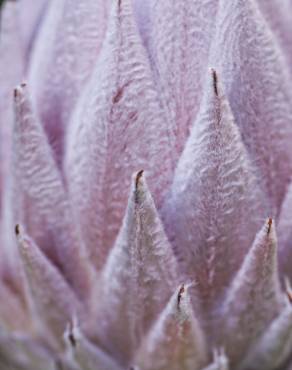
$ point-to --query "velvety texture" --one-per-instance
(145, 183)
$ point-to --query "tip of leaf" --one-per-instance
(138, 178)
(17, 229)
(215, 81)
(179, 295)
(269, 225)
(17, 90)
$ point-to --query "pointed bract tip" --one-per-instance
(138, 178)
(71, 333)
(17, 229)
(180, 294)
(215, 81)
(17, 90)
(269, 225)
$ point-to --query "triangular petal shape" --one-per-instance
(179, 47)
(254, 298)
(39, 199)
(53, 302)
(213, 210)
(176, 340)
(58, 69)
(117, 129)
(274, 347)
(138, 277)
(258, 86)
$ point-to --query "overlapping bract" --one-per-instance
(145, 174)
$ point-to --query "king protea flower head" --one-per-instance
(145, 182)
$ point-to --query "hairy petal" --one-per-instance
(68, 28)
(53, 301)
(274, 347)
(278, 14)
(179, 47)
(10, 51)
(285, 234)
(254, 298)
(176, 340)
(117, 129)
(138, 277)
(213, 210)
(39, 198)
(19, 352)
(31, 14)
(258, 87)
(13, 310)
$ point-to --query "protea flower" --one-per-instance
(145, 172)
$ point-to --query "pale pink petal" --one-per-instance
(274, 347)
(10, 50)
(278, 14)
(11, 67)
(213, 210)
(285, 235)
(176, 340)
(40, 200)
(13, 310)
(18, 352)
(31, 14)
(258, 86)
(65, 52)
(86, 354)
(52, 300)
(179, 46)
(138, 277)
(220, 362)
(117, 129)
(254, 298)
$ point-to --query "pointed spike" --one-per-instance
(132, 295)
(121, 90)
(254, 298)
(259, 91)
(273, 349)
(176, 340)
(215, 81)
(39, 199)
(213, 209)
(52, 299)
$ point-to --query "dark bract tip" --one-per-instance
(17, 230)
